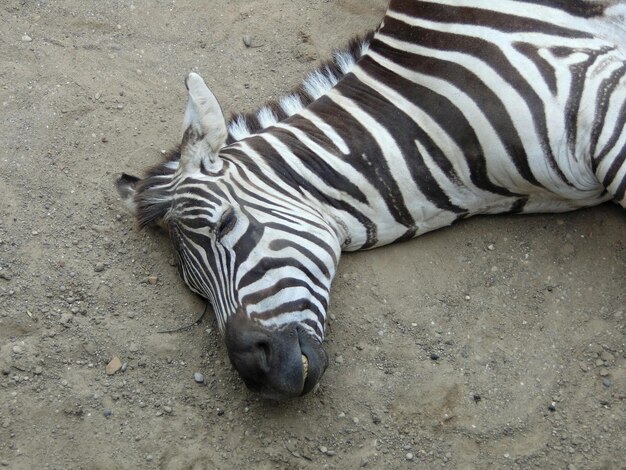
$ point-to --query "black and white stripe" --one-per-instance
(452, 108)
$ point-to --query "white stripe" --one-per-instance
(327, 129)
(518, 110)
(392, 155)
(534, 11)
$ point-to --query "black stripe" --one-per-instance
(313, 132)
(404, 131)
(366, 156)
(572, 107)
(280, 208)
(603, 101)
(616, 165)
(289, 307)
(621, 190)
(282, 244)
(468, 82)
(318, 166)
(275, 161)
(264, 265)
(618, 128)
(280, 285)
(583, 8)
(545, 68)
(473, 16)
(518, 206)
(448, 115)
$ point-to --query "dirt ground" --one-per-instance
(497, 343)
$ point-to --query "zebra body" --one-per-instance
(452, 108)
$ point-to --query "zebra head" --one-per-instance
(257, 249)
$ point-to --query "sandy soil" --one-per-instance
(525, 314)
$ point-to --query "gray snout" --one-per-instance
(276, 363)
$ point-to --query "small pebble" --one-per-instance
(124, 367)
(133, 347)
(113, 366)
(606, 356)
(99, 267)
(247, 40)
(16, 350)
(38, 370)
(434, 356)
(552, 407)
(26, 38)
(607, 382)
(604, 372)
(409, 456)
(477, 398)
(198, 377)
(167, 409)
(491, 247)
(323, 449)
(152, 280)
(107, 413)
(339, 359)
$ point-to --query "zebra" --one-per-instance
(449, 109)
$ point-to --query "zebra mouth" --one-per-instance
(305, 367)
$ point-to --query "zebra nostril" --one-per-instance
(262, 352)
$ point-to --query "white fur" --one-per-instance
(204, 115)
(318, 83)
(612, 25)
(365, 46)
(291, 104)
(266, 117)
(344, 61)
(238, 128)
(129, 204)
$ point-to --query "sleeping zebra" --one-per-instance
(451, 108)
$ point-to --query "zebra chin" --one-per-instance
(278, 364)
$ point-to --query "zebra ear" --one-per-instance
(204, 127)
(126, 187)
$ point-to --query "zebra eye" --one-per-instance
(227, 223)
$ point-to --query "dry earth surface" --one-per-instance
(497, 343)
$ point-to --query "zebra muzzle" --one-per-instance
(278, 363)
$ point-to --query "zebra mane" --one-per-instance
(153, 195)
(316, 84)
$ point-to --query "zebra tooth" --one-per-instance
(305, 366)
